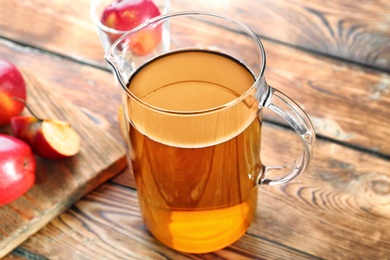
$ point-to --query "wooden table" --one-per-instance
(332, 57)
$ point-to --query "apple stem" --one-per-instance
(28, 108)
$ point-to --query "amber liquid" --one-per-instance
(195, 172)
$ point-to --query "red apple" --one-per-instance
(17, 168)
(11, 85)
(124, 15)
(50, 139)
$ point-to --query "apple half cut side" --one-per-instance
(52, 139)
(61, 138)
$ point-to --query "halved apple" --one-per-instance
(52, 139)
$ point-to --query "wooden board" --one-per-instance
(59, 183)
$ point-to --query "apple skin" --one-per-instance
(17, 168)
(144, 42)
(11, 85)
(30, 130)
(125, 15)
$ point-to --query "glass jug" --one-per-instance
(193, 106)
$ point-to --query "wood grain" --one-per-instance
(59, 183)
(58, 26)
(355, 31)
(98, 224)
(338, 209)
(358, 31)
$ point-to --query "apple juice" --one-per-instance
(195, 148)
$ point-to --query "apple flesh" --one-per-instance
(125, 15)
(17, 168)
(11, 85)
(50, 139)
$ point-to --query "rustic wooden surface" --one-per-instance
(59, 183)
(353, 30)
(332, 57)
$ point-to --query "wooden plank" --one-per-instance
(13, 256)
(59, 183)
(353, 31)
(58, 26)
(345, 102)
(122, 223)
(338, 209)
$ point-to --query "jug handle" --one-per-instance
(285, 107)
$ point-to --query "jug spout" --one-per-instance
(119, 63)
(137, 46)
(111, 59)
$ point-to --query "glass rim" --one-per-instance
(258, 78)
